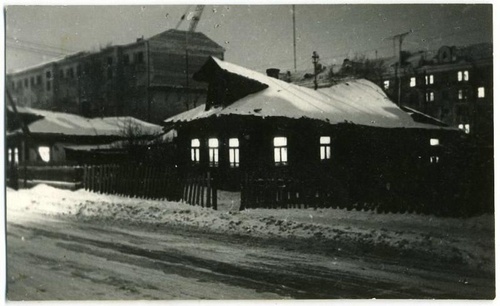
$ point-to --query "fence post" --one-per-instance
(209, 184)
(214, 194)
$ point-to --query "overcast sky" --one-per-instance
(257, 37)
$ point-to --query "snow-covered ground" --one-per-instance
(461, 241)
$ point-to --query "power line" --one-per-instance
(36, 50)
(38, 45)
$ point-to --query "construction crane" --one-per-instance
(194, 16)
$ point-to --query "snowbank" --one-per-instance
(468, 241)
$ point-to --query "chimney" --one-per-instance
(273, 72)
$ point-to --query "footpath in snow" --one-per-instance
(468, 242)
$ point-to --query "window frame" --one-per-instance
(234, 152)
(195, 150)
(325, 148)
(280, 149)
(213, 152)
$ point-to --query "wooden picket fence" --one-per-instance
(134, 180)
(276, 192)
(200, 189)
(151, 182)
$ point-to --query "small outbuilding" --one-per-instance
(61, 138)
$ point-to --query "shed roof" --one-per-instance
(74, 125)
(358, 102)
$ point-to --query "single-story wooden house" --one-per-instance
(349, 135)
(61, 138)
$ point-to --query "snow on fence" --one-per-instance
(134, 180)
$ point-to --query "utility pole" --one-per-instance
(315, 58)
(399, 38)
(294, 41)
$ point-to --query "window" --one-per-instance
(234, 152)
(213, 152)
(387, 83)
(32, 81)
(61, 74)
(434, 142)
(38, 80)
(429, 79)
(463, 76)
(195, 150)
(26, 83)
(70, 72)
(78, 70)
(9, 156)
(140, 57)
(480, 92)
(460, 94)
(324, 147)
(413, 82)
(44, 153)
(48, 75)
(280, 151)
(16, 156)
(429, 96)
(48, 86)
(464, 127)
(126, 59)
(434, 159)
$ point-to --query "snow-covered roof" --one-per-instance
(357, 101)
(70, 124)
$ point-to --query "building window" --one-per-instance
(9, 156)
(413, 82)
(26, 83)
(19, 84)
(280, 151)
(463, 76)
(16, 156)
(38, 80)
(324, 147)
(195, 150)
(480, 92)
(434, 142)
(32, 81)
(70, 72)
(126, 59)
(44, 153)
(429, 79)
(464, 127)
(78, 70)
(387, 83)
(213, 152)
(48, 75)
(61, 74)
(49, 87)
(429, 96)
(461, 94)
(234, 152)
(139, 57)
(434, 159)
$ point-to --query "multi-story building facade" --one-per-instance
(454, 85)
(146, 79)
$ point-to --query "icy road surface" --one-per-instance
(52, 254)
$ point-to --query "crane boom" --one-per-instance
(196, 18)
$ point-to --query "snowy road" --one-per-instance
(63, 258)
